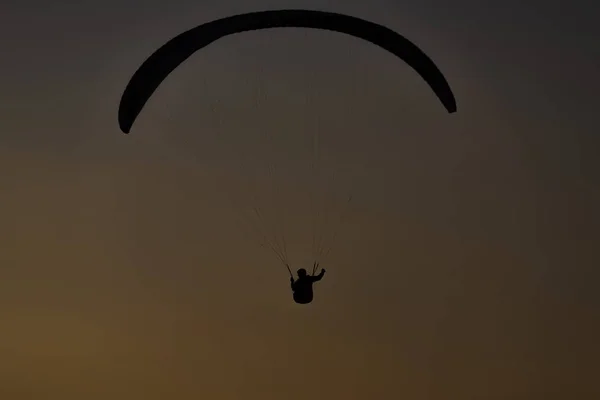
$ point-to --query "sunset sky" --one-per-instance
(466, 266)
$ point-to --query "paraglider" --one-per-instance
(302, 287)
(168, 57)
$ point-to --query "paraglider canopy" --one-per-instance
(168, 57)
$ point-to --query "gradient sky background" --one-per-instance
(467, 268)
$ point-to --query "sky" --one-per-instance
(465, 266)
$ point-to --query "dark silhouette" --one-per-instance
(302, 287)
(168, 57)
